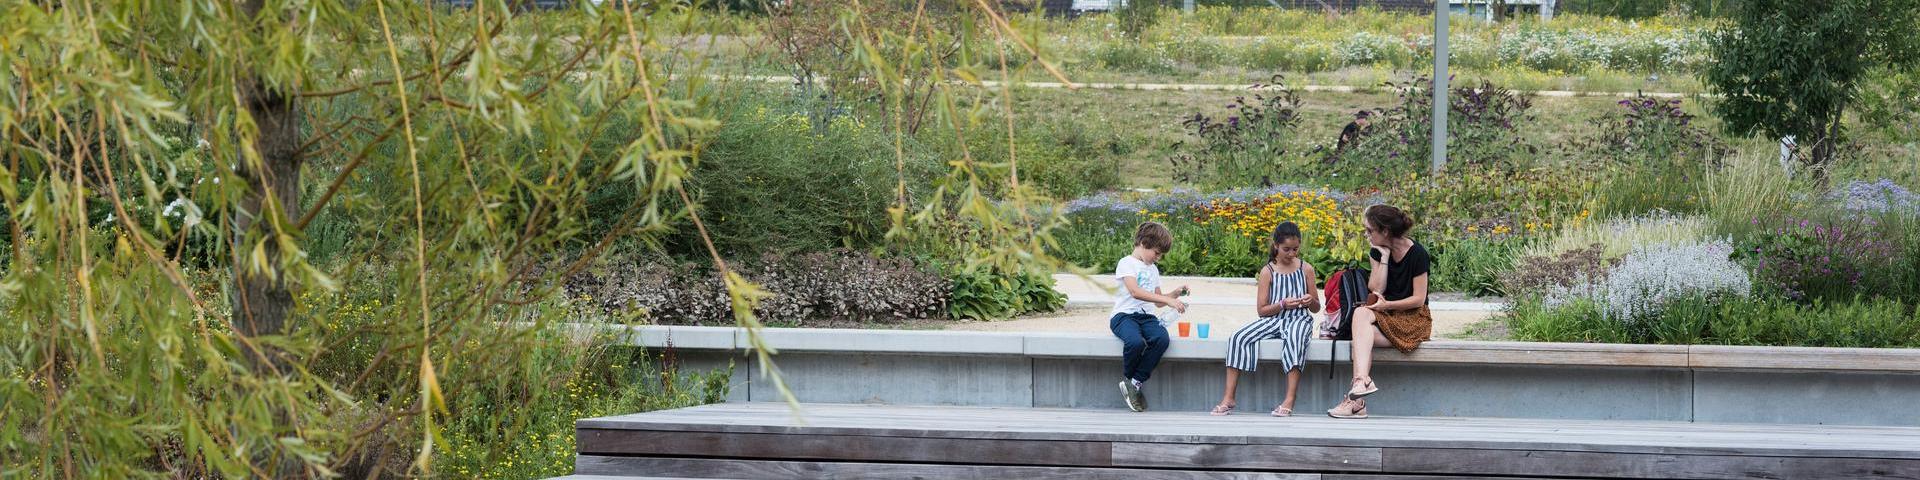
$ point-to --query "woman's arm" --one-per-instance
(1417, 300)
(1377, 278)
(1264, 307)
(1313, 294)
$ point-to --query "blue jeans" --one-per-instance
(1144, 339)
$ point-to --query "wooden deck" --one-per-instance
(767, 440)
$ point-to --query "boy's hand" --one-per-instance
(1182, 291)
(1178, 305)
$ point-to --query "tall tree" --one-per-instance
(1791, 68)
(164, 167)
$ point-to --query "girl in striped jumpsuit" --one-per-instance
(1286, 299)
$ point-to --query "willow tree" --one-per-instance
(164, 162)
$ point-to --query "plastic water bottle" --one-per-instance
(1168, 315)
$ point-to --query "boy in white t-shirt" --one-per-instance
(1143, 336)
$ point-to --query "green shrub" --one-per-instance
(1861, 323)
(1063, 158)
(1657, 156)
(1620, 236)
(1831, 256)
(1484, 129)
(1196, 52)
(1134, 17)
(991, 295)
(1578, 321)
(1132, 57)
(1473, 266)
(537, 440)
(765, 156)
(1250, 144)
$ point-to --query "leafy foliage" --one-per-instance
(1799, 81)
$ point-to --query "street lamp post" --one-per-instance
(1440, 105)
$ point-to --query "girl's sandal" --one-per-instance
(1279, 411)
(1223, 409)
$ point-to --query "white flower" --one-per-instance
(1651, 277)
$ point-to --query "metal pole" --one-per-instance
(1440, 105)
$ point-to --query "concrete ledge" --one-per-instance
(892, 341)
(1901, 360)
(1541, 353)
(1442, 378)
(1075, 345)
(693, 338)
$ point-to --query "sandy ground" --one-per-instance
(1224, 305)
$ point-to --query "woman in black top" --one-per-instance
(1395, 313)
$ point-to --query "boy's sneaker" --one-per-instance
(1135, 401)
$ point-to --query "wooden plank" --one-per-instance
(1539, 353)
(1622, 465)
(1246, 457)
(1030, 424)
(750, 469)
(1388, 476)
(844, 447)
(1805, 359)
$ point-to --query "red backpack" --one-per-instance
(1333, 300)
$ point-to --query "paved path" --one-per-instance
(1224, 304)
(1221, 87)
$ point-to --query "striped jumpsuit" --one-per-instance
(1292, 326)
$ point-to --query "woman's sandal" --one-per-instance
(1362, 388)
(1223, 409)
(1280, 411)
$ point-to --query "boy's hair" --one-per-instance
(1392, 220)
(1154, 236)
(1282, 232)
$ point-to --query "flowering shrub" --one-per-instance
(1367, 48)
(1248, 146)
(1483, 130)
(1218, 234)
(1658, 155)
(836, 285)
(1831, 259)
(1537, 275)
(1494, 203)
(1331, 234)
(1571, 43)
(1882, 196)
(1635, 291)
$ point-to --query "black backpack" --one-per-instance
(1351, 291)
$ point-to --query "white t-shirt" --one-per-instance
(1143, 274)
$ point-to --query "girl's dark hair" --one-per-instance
(1392, 220)
(1282, 232)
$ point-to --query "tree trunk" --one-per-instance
(263, 300)
(1825, 143)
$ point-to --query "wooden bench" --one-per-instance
(766, 440)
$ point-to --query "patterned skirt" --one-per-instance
(1405, 329)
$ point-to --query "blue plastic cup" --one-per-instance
(1204, 328)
